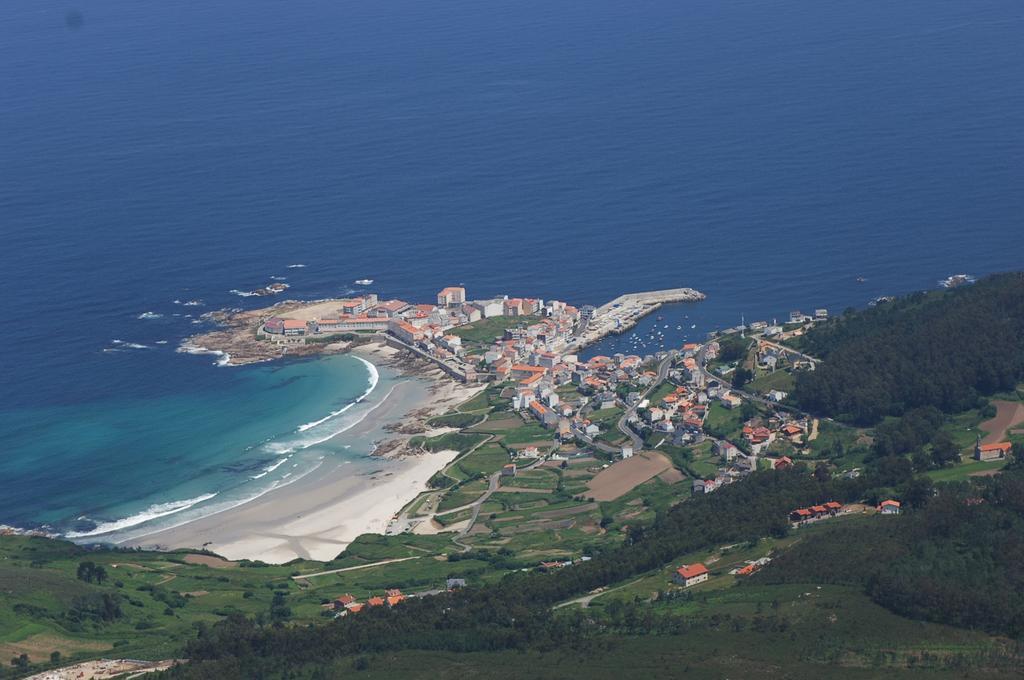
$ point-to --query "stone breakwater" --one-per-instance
(625, 311)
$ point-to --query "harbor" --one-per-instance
(624, 312)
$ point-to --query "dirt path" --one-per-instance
(360, 566)
(814, 431)
(1009, 414)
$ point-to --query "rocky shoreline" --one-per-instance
(236, 340)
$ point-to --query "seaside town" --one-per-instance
(552, 439)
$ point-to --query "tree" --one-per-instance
(55, 657)
(944, 449)
(822, 473)
(86, 571)
(919, 491)
(741, 376)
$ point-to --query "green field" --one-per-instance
(722, 421)
(767, 381)
(965, 470)
(485, 331)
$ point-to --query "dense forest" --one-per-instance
(515, 614)
(943, 349)
(959, 561)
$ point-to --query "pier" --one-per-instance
(624, 312)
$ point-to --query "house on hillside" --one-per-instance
(691, 574)
(889, 507)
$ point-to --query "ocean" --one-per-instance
(158, 156)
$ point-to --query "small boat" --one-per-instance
(364, 282)
(693, 326)
(861, 279)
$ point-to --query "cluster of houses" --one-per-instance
(561, 564)
(815, 513)
(349, 604)
(751, 566)
(428, 326)
(538, 379)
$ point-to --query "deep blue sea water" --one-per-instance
(765, 152)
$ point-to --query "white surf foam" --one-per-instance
(150, 315)
(296, 266)
(374, 379)
(242, 293)
(276, 465)
(152, 512)
(223, 358)
(129, 345)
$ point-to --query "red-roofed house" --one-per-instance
(889, 507)
(451, 296)
(691, 574)
(375, 602)
(405, 331)
(800, 515)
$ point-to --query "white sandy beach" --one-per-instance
(318, 515)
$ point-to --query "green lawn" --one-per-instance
(768, 381)
(486, 460)
(723, 421)
(485, 331)
(965, 470)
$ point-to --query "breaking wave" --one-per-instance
(152, 512)
(374, 379)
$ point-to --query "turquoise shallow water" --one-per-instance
(131, 464)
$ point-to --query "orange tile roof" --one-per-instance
(375, 601)
(692, 570)
(1001, 446)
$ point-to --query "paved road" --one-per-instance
(790, 350)
(663, 369)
